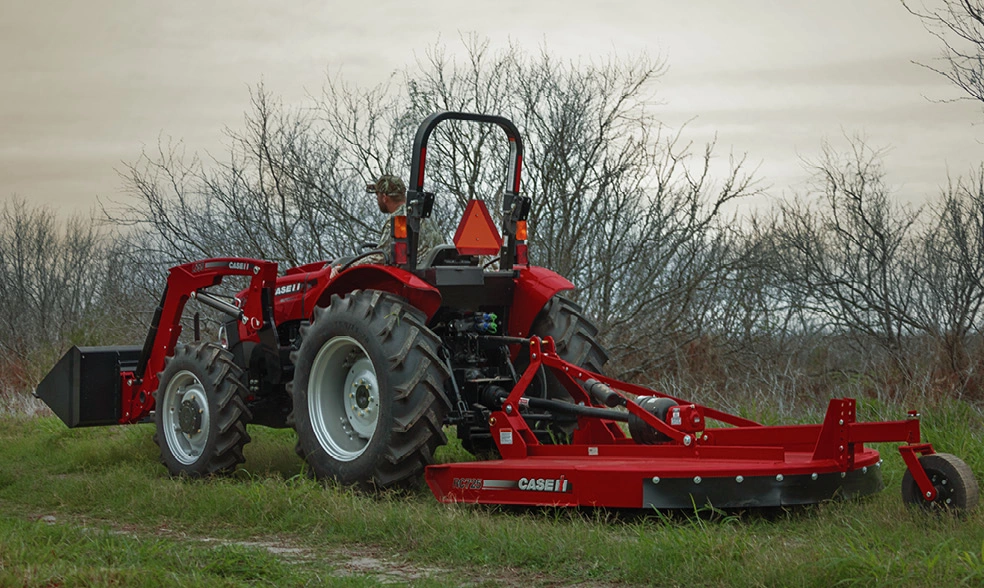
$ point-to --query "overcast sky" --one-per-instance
(84, 86)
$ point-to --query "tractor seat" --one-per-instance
(446, 255)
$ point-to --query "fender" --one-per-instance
(534, 287)
(400, 282)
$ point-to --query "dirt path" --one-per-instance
(365, 561)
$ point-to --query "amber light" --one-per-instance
(521, 230)
(399, 227)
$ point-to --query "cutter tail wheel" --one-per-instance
(368, 391)
(201, 413)
(956, 487)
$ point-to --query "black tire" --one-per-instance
(574, 337)
(956, 487)
(575, 340)
(376, 346)
(200, 411)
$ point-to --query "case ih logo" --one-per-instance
(288, 289)
(561, 484)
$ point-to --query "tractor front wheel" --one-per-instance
(369, 401)
(200, 412)
(956, 487)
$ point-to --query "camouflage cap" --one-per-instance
(388, 185)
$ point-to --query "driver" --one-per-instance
(391, 194)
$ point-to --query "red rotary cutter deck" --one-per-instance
(686, 463)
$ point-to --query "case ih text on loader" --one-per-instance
(370, 366)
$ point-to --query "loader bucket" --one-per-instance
(83, 388)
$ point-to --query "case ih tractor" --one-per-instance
(371, 365)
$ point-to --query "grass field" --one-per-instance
(94, 507)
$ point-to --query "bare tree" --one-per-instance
(58, 281)
(959, 25)
(630, 212)
(845, 257)
(950, 273)
(279, 194)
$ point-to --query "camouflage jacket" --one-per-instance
(429, 237)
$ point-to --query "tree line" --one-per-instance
(835, 282)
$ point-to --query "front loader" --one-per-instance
(372, 364)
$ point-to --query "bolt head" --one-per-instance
(740, 479)
(697, 480)
(814, 476)
(929, 495)
(655, 479)
(779, 478)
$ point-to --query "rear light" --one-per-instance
(522, 255)
(399, 227)
(400, 252)
(521, 230)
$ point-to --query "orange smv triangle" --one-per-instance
(476, 234)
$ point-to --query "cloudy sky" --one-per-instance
(84, 86)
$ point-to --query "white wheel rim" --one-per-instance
(343, 398)
(185, 417)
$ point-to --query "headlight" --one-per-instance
(223, 337)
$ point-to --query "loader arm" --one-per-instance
(184, 282)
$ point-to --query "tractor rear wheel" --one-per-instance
(956, 487)
(200, 411)
(368, 389)
(574, 337)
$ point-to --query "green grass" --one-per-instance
(118, 519)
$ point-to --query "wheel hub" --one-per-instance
(362, 396)
(943, 491)
(185, 417)
(343, 398)
(363, 400)
(190, 417)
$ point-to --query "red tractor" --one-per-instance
(370, 365)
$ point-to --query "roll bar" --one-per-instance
(514, 206)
